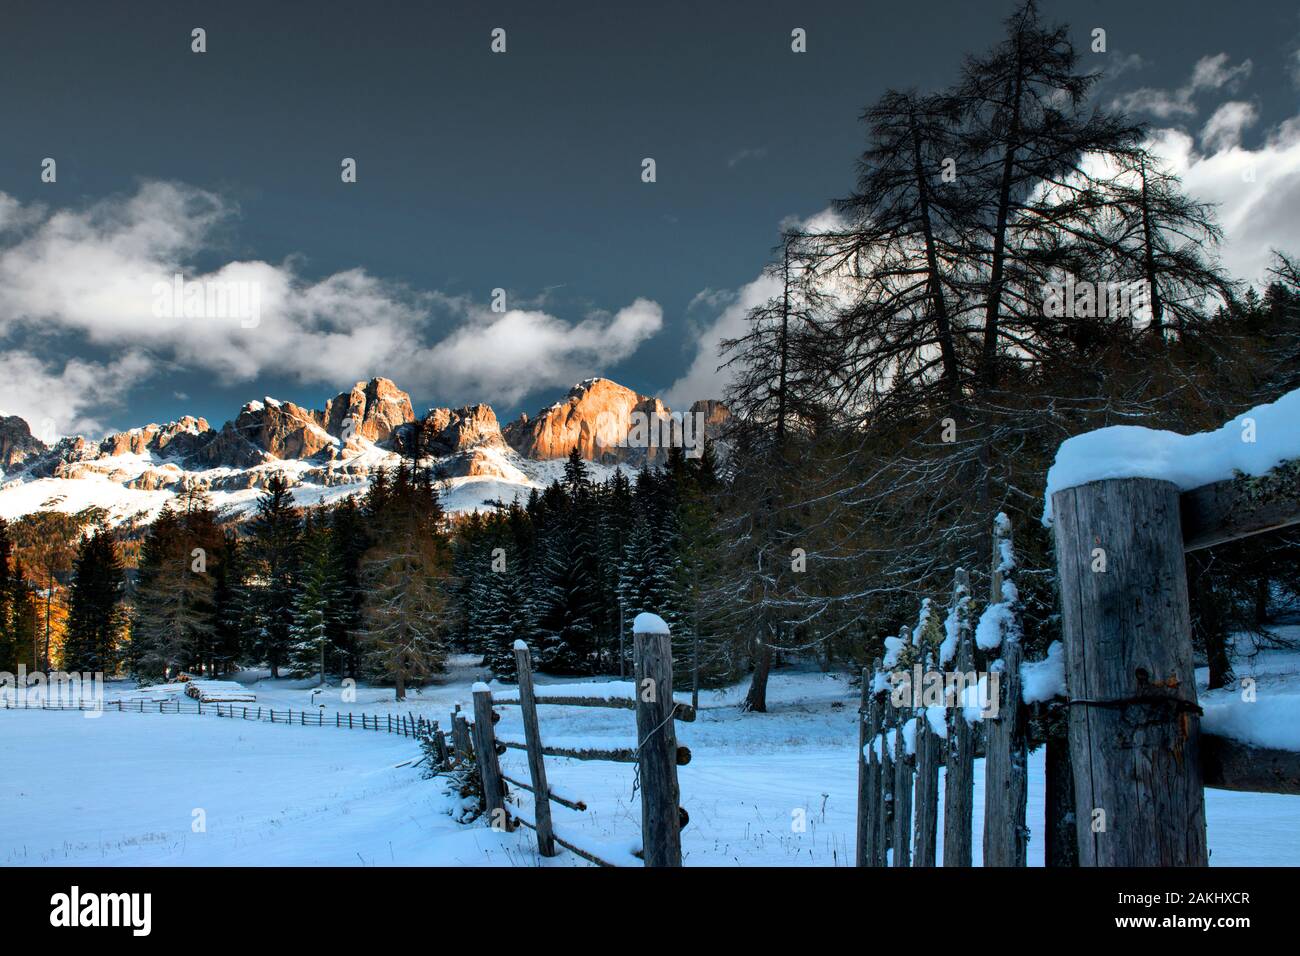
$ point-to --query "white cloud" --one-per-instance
(741, 155)
(93, 272)
(509, 354)
(1223, 129)
(1257, 192)
(56, 401)
(703, 378)
(1210, 73)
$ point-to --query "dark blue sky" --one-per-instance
(521, 171)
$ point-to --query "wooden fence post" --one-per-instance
(439, 745)
(868, 768)
(460, 738)
(536, 763)
(656, 741)
(1134, 724)
(902, 779)
(885, 822)
(494, 796)
(959, 780)
(1006, 762)
(925, 850)
(1061, 841)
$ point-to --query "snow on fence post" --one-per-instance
(656, 733)
(903, 765)
(536, 762)
(494, 794)
(1006, 836)
(1134, 723)
(958, 651)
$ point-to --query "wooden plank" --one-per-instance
(494, 793)
(561, 800)
(959, 781)
(1133, 726)
(572, 847)
(1234, 765)
(1240, 507)
(656, 744)
(536, 763)
(612, 754)
(681, 711)
(1006, 754)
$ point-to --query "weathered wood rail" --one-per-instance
(655, 752)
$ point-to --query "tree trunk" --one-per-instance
(756, 699)
(1261, 600)
(993, 308)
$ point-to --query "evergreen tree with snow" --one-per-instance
(317, 598)
(174, 618)
(95, 615)
(275, 534)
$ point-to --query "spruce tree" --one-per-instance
(405, 575)
(95, 613)
(315, 602)
(274, 539)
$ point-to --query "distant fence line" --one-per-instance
(403, 725)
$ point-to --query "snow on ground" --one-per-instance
(1253, 443)
(1263, 706)
(121, 788)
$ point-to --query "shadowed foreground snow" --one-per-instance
(121, 789)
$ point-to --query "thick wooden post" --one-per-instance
(494, 794)
(870, 809)
(885, 822)
(903, 765)
(926, 832)
(656, 741)
(1134, 724)
(1006, 775)
(460, 738)
(868, 771)
(959, 779)
(536, 763)
(1061, 841)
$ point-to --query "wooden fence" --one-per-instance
(1141, 762)
(404, 725)
(1126, 760)
(656, 753)
(903, 743)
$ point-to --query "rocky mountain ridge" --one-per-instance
(339, 445)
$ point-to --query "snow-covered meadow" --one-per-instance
(770, 789)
